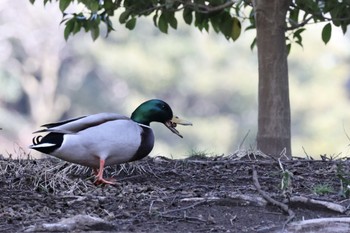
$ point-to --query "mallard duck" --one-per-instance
(106, 139)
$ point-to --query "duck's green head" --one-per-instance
(158, 111)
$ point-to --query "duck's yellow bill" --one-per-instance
(171, 124)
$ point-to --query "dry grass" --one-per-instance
(52, 175)
(44, 175)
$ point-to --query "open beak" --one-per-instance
(171, 124)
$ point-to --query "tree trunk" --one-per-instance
(274, 130)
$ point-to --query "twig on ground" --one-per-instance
(246, 199)
(325, 225)
(183, 208)
(318, 203)
(185, 217)
(269, 199)
(306, 154)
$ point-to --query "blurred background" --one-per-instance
(205, 79)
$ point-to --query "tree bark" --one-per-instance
(274, 129)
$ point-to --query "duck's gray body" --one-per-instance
(86, 140)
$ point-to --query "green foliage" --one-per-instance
(322, 189)
(131, 23)
(199, 13)
(64, 4)
(303, 12)
(236, 29)
(222, 16)
(344, 181)
(286, 180)
(187, 15)
(326, 33)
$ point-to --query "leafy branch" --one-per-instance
(223, 16)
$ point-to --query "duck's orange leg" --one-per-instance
(99, 175)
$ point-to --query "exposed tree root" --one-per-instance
(269, 199)
(318, 204)
(77, 222)
(234, 198)
(319, 225)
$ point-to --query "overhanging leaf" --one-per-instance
(124, 16)
(226, 25)
(250, 27)
(69, 28)
(215, 23)
(95, 32)
(344, 27)
(187, 15)
(253, 44)
(172, 21)
(288, 48)
(92, 5)
(327, 33)
(155, 19)
(163, 23)
(76, 27)
(64, 4)
(131, 24)
(202, 21)
(236, 29)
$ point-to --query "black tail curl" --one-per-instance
(48, 143)
(36, 140)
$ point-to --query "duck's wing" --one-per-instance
(75, 125)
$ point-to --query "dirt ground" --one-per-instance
(198, 194)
